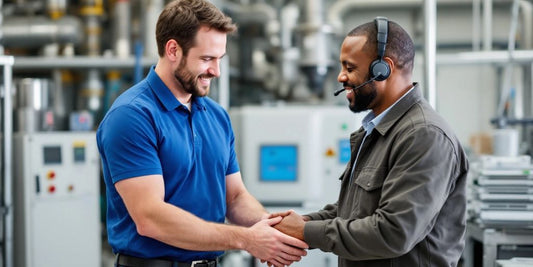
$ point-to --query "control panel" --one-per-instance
(56, 190)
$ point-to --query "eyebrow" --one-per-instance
(209, 56)
(345, 63)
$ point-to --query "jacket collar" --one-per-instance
(412, 97)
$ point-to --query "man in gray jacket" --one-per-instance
(402, 201)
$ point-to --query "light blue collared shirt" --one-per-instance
(370, 121)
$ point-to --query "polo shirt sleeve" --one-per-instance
(129, 142)
(233, 163)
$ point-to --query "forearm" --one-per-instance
(328, 212)
(176, 227)
(245, 210)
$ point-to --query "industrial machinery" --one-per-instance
(500, 210)
(291, 157)
(56, 199)
(502, 191)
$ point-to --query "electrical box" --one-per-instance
(56, 199)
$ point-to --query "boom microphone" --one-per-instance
(336, 93)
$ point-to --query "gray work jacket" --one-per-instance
(405, 204)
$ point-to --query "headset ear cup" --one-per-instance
(380, 70)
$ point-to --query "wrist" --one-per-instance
(245, 236)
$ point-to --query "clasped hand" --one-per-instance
(290, 229)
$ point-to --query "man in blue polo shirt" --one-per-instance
(169, 163)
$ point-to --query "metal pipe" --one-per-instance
(314, 46)
(528, 94)
(526, 11)
(430, 49)
(223, 84)
(92, 11)
(121, 28)
(485, 57)
(476, 25)
(56, 8)
(337, 11)
(7, 62)
(508, 73)
(36, 31)
(150, 11)
(80, 62)
(251, 12)
(487, 25)
(1, 30)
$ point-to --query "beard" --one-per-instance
(189, 81)
(362, 100)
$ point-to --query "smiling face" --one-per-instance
(202, 62)
(355, 65)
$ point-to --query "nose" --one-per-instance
(214, 69)
(342, 77)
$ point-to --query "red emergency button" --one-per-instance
(51, 175)
(51, 189)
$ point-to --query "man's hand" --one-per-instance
(285, 213)
(293, 225)
(273, 246)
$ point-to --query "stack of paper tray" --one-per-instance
(501, 191)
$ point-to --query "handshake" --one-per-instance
(278, 239)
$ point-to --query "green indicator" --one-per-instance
(526, 172)
(344, 126)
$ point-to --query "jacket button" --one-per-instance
(368, 184)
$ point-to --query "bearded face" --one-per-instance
(195, 84)
(362, 97)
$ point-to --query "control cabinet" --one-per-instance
(56, 199)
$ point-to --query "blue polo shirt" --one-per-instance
(148, 131)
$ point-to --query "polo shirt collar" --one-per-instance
(166, 97)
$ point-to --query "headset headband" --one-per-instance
(382, 24)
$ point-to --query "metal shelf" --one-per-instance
(80, 62)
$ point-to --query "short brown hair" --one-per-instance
(181, 19)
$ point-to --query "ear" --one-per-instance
(173, 50)
(391, 64)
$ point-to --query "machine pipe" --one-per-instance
(36, 31)
(121, 28)
(257, 12)
(476, 25)
(526, 11)
(479, 58)
(7, 62)
(337, 11)
(430, 51)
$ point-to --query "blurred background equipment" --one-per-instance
(292, 156)
(56, 199)
(294, 148)
(65, 62)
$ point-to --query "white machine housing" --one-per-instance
(56, 189)
(293, 155)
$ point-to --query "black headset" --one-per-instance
(380, 69)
